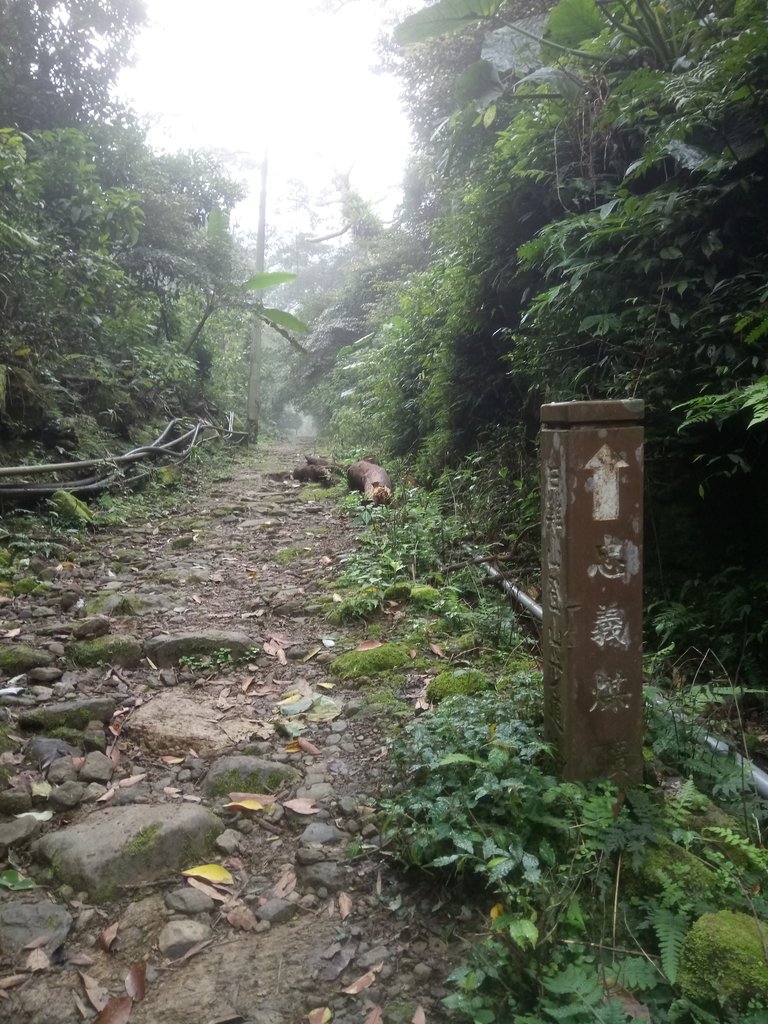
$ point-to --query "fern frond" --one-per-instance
(670, 929)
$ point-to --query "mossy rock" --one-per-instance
(669, 863)
(106, 650)
(245, 774)
(287, 555)
(425, 597)
(315, 492)
(462, 682)
(355, 664)
(18, 658)
(6, 558)
(111, 603)
(182, 543)
(27, 585)
(70, 509)
(398, 592)
(723, 961)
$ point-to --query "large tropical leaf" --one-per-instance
(286, 320)
(572, 22)
(511, 48)
(478, 84)
(442, 17)
(268, 279)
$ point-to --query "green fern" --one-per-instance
(671, 929)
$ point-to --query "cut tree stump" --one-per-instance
(373, 481)
(315, 470)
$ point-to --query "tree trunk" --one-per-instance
(254, 375)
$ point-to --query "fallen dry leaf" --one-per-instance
(136, 982)
(12, 981)
(242, 918)
(117, 1011)
(413, 654)
(171, 759)
(378, 884)
(437, 650)
(41, 940)
(369, 645)
(419, 1017)
(345, 906)
(209, 891)
(108, 937)
(80, 960)
(214, 873)
(245, 805)
(362, 983)
(301, 805)
(325, 560)
(132, 780)
(12, 633)
(37, 961)
(322, 1015)
(105, 797)
(97, 996)
(375, 1016)
(307, 747)
(262, 798)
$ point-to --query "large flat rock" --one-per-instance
(172, 723)
(167, 648)
(128, 845)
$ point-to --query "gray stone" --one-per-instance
(240, 773)
(228, 841)
(41, 693)
(348, 806)
(180, 935)
(97, 767)
(93, 791)
(44, 751)
(68, 795)
(373, 956)
(166, 649)
(173, 720)
(324, 874)
(128, 845)
(326, 835)
(62, 770)
(18, 832)
(309, 855)
(15, 801)
(276, 911)
(21, 923)
(72, 714)
(44, 674)
(94, 625)
(189, 901)
(320, 791)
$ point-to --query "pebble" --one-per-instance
(325, 835)
(62, 770)
(180, 935)
(228, 841)
(276, 911)
(97, 767)
(44, 674)
(187, 900)
(68, 795)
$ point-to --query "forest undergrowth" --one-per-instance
(592, 905)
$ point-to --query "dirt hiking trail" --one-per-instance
(154, 659)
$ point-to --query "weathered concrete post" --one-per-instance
(592, 532)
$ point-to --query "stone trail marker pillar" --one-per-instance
(592, 533)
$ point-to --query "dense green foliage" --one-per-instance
(593, 214)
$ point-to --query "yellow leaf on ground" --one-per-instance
(322, 1015)
(362, 983)
(496, 911)
(210, 873)
(245, 805)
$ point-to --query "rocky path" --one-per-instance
(166, 666)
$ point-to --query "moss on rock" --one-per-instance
(670, 863)
(114, 650)
(70, 509)
(425, 596)
(723, 961)
(462, 682)
(398, 592)
(28, 585)
(18, 658)
(355, 664)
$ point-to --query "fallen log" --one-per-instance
(371, 480)
(316, 469)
